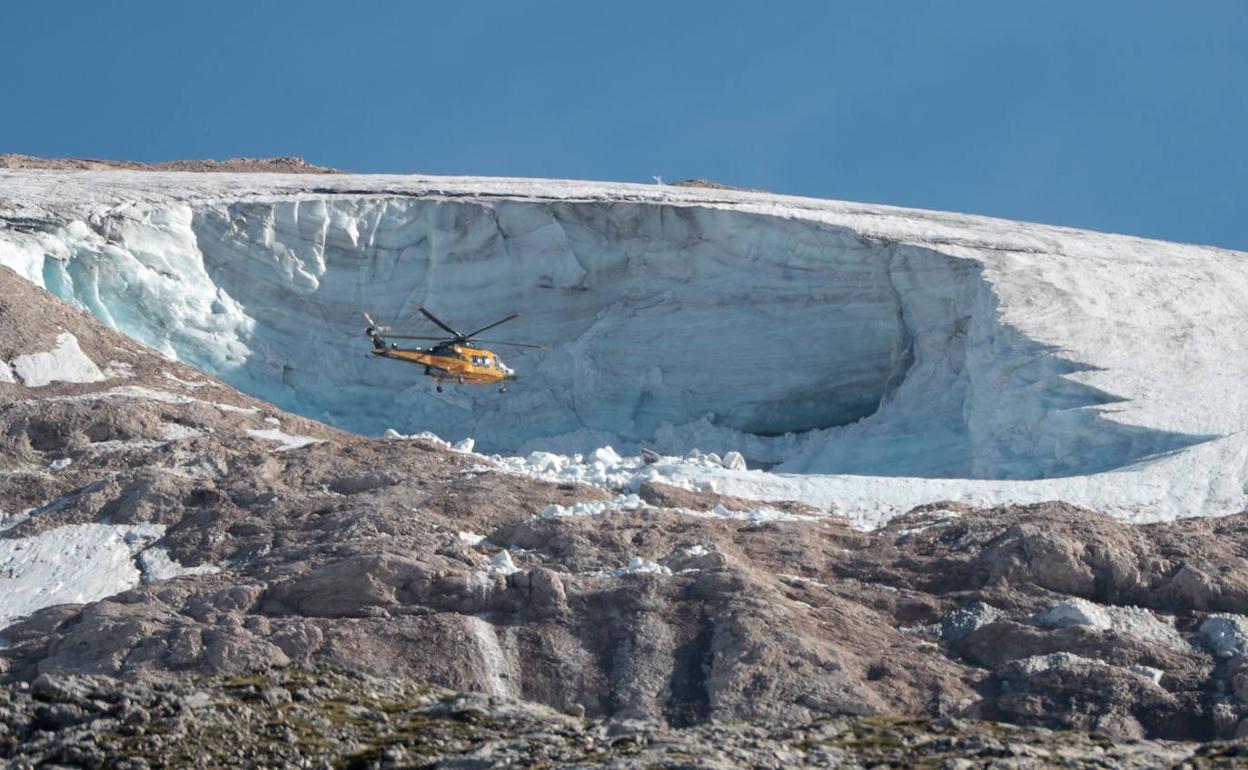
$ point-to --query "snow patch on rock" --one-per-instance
(1134, 621)
(64, 363)
(287, 440)
(155, 564)
(502, 564)
(593, 507)
(636, 566)
(73, 564)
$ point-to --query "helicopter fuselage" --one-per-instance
(452, 363)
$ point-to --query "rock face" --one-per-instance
(323, 718)
(406, 560)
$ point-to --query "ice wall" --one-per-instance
(800, 343)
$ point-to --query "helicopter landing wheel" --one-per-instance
(460, 380)
(439, 387)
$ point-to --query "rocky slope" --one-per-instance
(406, 560)
(322, 719)
(278, 165)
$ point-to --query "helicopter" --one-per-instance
(456, 359)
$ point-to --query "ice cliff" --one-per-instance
(816, 336)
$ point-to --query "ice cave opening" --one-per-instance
(805, 346)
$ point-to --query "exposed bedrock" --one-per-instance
(672, 326)
(408, 561)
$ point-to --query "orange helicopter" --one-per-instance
(457, 359)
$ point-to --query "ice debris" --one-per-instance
(155, 564)
(1225, 635)
(635, 566)
(1134, 621)
(502, 564)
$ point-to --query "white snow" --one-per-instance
(926, 356)
(1038, 664)
(60, 464)
(235, 409)
(155, 564)
(125, 391)
(287, 440)
(593, 507)
(473, 539)
(118, 370)
(1135, 621)
(6, 374)
(64, 363)
(192, 384)
(636, 566)
(71, 564)
(502, 564)
(172, 431)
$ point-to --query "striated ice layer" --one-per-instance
(813, 336)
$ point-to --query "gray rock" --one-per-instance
(959, 623)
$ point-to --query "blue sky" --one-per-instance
(1119, 115)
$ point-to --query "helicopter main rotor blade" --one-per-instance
(511, 317)
(374, 325)
(439, 322)
(415, 337)
(513, 344)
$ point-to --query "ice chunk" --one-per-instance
(64, 363)
(464, 445)
(733, 461)
(6, 374)
(636, 566)
(502, 563)
(593, 507)
(1225, 635)
(542, 462)
(606, 455)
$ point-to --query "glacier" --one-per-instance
(862, 353)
